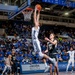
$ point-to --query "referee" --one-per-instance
(51, 49)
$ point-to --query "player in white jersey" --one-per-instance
(35, 40)
(71, 59)
(7, 65)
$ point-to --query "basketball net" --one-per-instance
(27, 14)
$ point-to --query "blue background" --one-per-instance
(60, 2)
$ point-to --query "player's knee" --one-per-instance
(41, 54)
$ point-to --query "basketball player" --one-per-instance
(7, 65)
(51, 49)
(13, 65)
(35, 40)
(71, 59)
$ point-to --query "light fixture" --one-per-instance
(66, 14)
(5, 4)
(47, 8)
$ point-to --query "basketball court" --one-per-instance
(61, 73)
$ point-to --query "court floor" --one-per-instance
(61, 73)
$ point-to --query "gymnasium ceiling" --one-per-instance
(56, 10)
(50, 9)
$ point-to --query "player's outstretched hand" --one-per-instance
(35, 8)
(46, 39)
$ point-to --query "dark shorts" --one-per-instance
(14, 68)
(52, 56)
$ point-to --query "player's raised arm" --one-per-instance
(53, 42)
(36, 17)
(46, 49)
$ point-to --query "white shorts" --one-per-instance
(37, 48)
(36, 45)
(71, 61)
(41, 55)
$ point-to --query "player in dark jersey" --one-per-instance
(51, 49)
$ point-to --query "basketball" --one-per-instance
(38, 6)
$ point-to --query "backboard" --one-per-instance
(13, 9)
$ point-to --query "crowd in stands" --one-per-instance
(23, 47)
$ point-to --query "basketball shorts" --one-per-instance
(37, 48)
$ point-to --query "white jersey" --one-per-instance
(71, 54)
(35, 33)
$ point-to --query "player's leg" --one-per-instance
(41, 55)
(72, 65)
(34, 46)
(46, 66)
(57, 69)
(38, 47)
(9, 70)
(51, 69)
(51, 59)
(5, 68)
(69, 62)
(44, 60)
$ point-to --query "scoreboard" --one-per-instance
(61, 2)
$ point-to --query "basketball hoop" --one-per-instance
(29, 9)
(27, 14)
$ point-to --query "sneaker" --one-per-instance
(2, 74)
(66, 71)
(46, 68)
(5, 73)
(72, 71)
